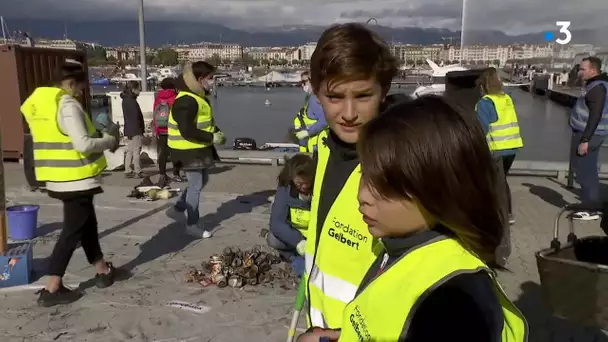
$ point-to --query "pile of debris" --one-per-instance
(236, 268)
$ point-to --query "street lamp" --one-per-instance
(142, 48)
(370, 20)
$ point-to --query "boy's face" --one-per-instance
(350, 105)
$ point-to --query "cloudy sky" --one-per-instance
(511, 16)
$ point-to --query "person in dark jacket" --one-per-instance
(134, 129)
(589, 123)
(197, 80)
(290, 210)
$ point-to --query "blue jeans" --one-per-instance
(190, 198)
(586, 170)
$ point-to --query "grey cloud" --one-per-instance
(513, 16)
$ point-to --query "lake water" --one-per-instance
(241, 112)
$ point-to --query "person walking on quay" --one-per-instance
(310, 120)
(589, 122)
(351, 73)
(498, 118)
(435, 280)
(68, 154)
(163, 101)
(134, 129)
(192, 134)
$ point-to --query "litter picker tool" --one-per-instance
(300, 300)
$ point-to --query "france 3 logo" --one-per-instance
(565, 35)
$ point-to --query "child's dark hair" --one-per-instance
(168, 83)
(69, 69)
(351, 52)
(131, 86)
(202, 69)
(301, 165)
(424, 150)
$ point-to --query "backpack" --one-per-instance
(161, 114)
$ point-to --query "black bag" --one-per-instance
(244, 144)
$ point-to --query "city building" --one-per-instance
(306, 51)
(416, 54)
(288, 54)
(205, 51)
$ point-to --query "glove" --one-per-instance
(219, 138)
(302, 135)
(301, 247)
(116, 141)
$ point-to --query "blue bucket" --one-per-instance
(22, 221)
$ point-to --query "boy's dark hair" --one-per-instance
(351, 52)
(301, 165)
(167, 83)
(131, 86)
(202, 69)
(70, 69)
(426, 151)
(595, 62)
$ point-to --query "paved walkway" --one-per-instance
(138, 235)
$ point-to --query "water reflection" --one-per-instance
(241, 112)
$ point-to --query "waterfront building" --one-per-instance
(205, 51)
(261, 53)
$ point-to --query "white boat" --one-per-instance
(437, 85)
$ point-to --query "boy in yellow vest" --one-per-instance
(351, 73)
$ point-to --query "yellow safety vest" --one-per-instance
(302, 122)
(204, 122)
(382, 311)
(344, 252)
(504, 133)
(55, 158)
(299, 219)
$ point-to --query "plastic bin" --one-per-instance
(22, 221)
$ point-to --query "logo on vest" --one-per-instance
(357, 321)
(345, 234)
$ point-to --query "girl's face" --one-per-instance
(388, 217)
(303, 185)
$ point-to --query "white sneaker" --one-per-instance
(175, 215)
(196, 231)
(586, 215)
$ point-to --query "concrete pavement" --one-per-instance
(137, 234)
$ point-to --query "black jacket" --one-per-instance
(595, 100)
(184, 111)
(134, 119)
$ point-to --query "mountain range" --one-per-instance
(159, 33)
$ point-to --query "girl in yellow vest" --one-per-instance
(428, 192)
(290, 211)
(68, 154)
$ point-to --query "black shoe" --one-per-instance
(178, 179)
(140, 175)
(129, 175)
(163, 181)
(62, 296)
(103, 280)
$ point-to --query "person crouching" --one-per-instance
(290, 210)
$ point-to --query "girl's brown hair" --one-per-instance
(425, 150)
(301, 165)
(490, 83)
